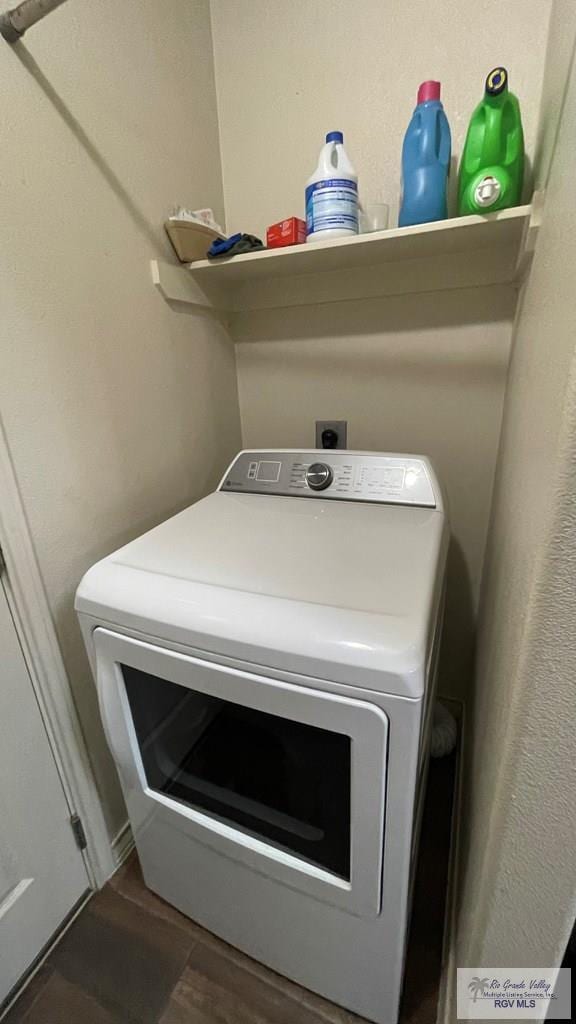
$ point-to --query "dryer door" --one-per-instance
(288, 780)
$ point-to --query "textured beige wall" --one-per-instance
(424, 374)
(118, 409)
(519, 815)
(287, 73)
(559, 54)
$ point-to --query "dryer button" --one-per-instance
(319, 476)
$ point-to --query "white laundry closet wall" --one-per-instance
(419, 373)
(518, 814)
(118, 409)
(286, 73)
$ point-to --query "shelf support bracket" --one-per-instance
(176, 284)
(529, 237)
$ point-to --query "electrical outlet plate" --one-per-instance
(340, 427)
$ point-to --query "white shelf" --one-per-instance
(458, 253)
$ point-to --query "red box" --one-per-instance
(286, 232)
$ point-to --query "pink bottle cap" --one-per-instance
(428, 91)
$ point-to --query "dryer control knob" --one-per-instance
(319, 476)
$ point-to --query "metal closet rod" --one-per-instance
(14, 23)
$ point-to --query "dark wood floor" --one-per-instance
(130, 958)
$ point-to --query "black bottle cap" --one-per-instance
(497, 81)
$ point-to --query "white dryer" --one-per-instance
(265, 665)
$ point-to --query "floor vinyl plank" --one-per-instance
(129, 883)
(61, 1002)
(131, 958)
(126, 959)
(29, 994)
(220, 989)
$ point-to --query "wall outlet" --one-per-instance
(331, 433)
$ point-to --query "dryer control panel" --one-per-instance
(334, 474)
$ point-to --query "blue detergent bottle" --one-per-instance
(425, 160)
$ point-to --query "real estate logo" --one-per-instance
(478, 986)
(513, 993)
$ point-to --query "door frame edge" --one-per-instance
(28, 601)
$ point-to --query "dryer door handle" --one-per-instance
(110, 686)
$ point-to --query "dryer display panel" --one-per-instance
(282, 780)
(334, 475)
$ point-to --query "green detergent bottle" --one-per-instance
(492, 166)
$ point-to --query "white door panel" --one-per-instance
(362, 725)
(42, 872)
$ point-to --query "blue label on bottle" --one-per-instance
(332, 203)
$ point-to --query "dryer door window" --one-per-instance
(277, 779)
(287, 780)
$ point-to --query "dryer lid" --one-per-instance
(335, 589)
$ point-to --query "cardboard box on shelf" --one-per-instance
(286, 232)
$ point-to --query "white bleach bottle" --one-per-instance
(332, 194)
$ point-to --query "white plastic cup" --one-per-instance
(373, 217)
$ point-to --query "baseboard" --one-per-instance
(122, 845)
(446, 996)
